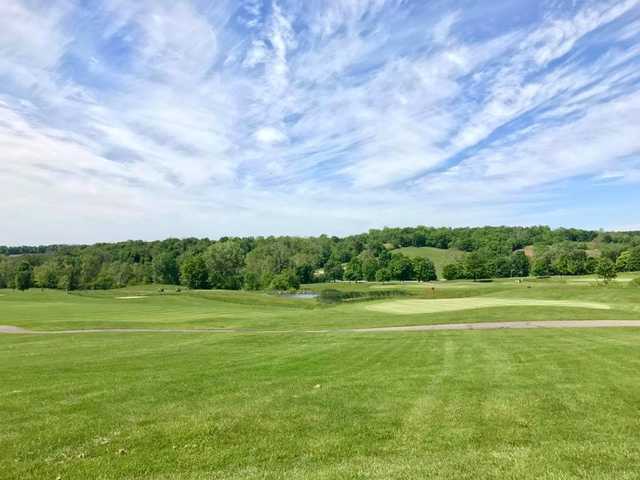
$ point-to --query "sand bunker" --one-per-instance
(408, 307)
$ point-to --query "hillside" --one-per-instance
(439, 256)
(592, 249)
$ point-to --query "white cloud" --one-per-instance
(442, 29)
(270, 135)
(387, 111)
(597, 142)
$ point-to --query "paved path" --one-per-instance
(509, 325)
(8, 329)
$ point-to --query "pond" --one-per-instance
(301, 295)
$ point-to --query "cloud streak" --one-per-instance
(243, 117)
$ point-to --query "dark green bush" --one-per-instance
(332, 295)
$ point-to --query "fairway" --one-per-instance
(153, 382)
(491, 404)
(408, 307)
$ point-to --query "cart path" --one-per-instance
(9, 329)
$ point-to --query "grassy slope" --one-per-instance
(466, 405)
(440, 257)
(592, 250)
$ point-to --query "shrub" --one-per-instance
(451, 272)
(383, 275)
(606, 269)
(286, 280)
(331, 295)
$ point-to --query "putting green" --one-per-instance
(408, 307)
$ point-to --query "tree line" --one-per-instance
(284, 263)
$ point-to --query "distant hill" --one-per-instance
(439, 256)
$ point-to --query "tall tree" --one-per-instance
(24, 276)
(606, 269)
(401, 267)
(225, 261)
(474, 266)
(519, 265)
(194, 273)
(46, 275)
(165, 268)
(424, 270)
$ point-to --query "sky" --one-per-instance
(168, 118)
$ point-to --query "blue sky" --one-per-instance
(154, 118)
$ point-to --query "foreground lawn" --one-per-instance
(472, 404)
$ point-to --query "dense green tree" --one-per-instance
(500, 267)
(452, 271)
(571, 261)
(165, 268)
(606, 269)
(542, 266)
(24, 276)
(622, 262)
(633, 263)
(305, 272)
(383, 275)
(269, 258)
(333, 271)
(285, 280)
(90, 266)
(46, 275)
(194, 273)
(123, 274)
(559, 251)
(369, 265)
(475, 266)
(225, 263)
(353, 270)
(4, 278)
(424, 270)
(251, 281)
(519, 265)
(104, 280)
(401, 267)
(69, 274)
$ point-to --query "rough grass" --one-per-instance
(413, 306)
(465, 405)
(440, 257)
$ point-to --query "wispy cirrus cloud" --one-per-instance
(246, 116)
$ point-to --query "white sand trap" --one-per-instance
(408, 307)
(131, 297)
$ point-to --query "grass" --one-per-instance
(55, 310)
(555, 404)
(493, 404)
(439, 256)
